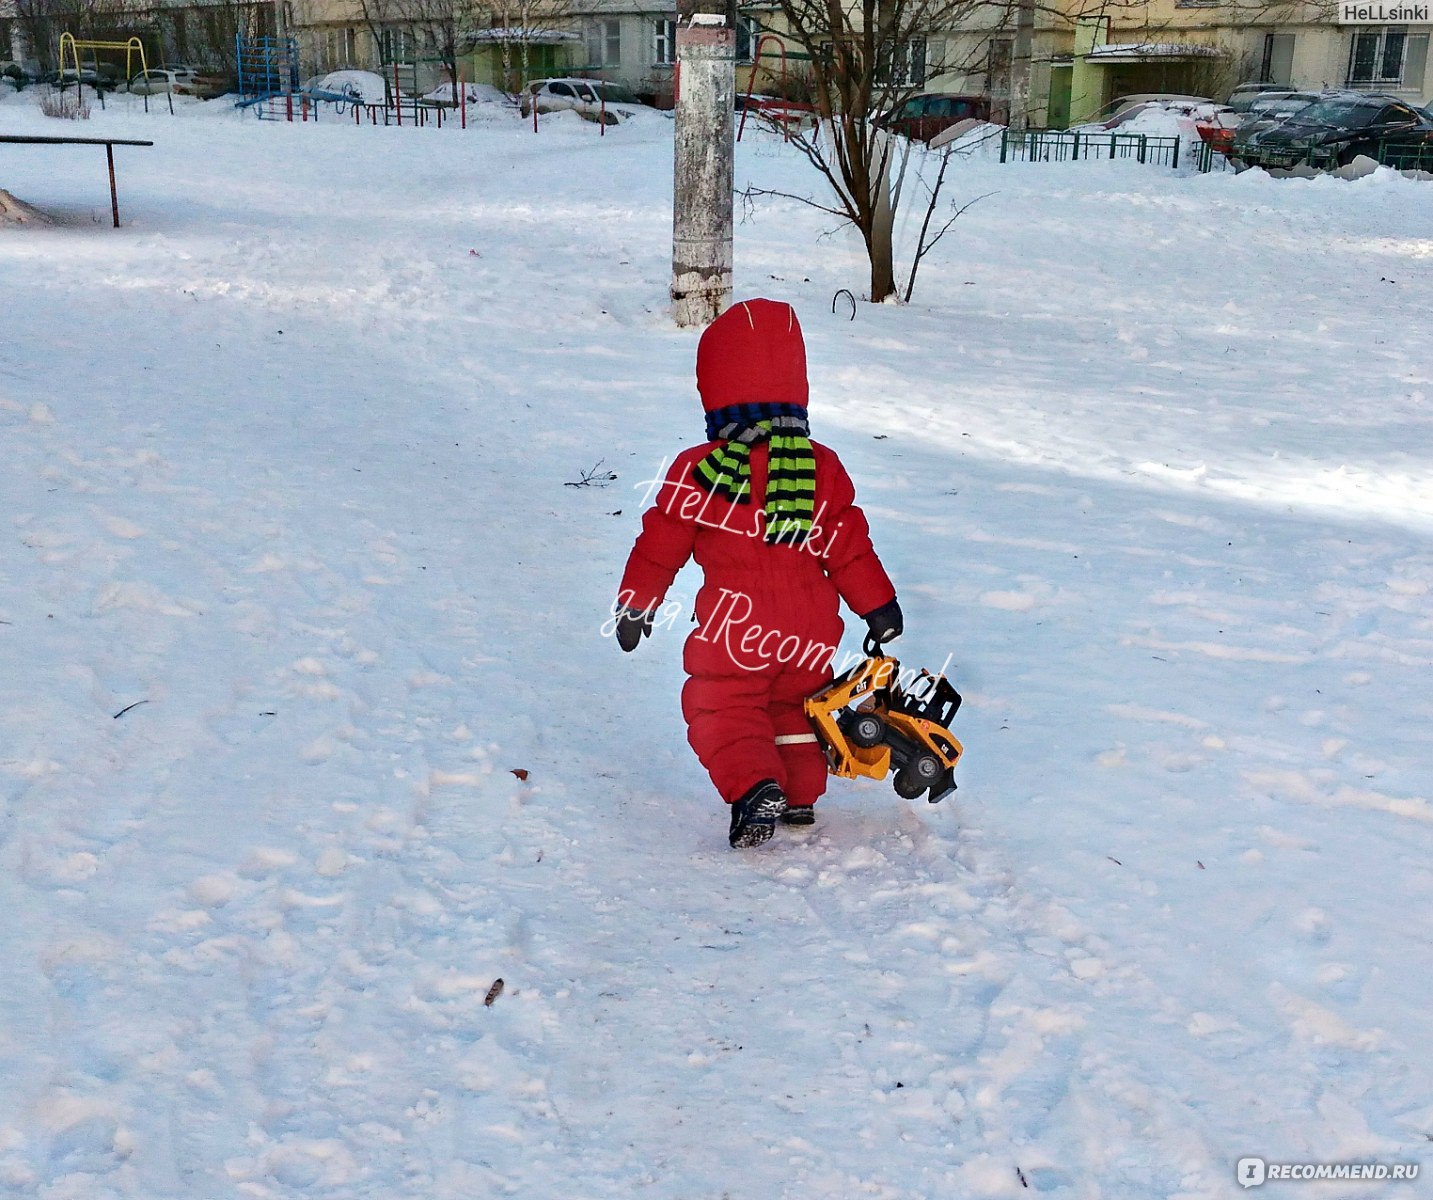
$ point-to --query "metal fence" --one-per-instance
(1406, 158)
(1401, 156)
(1060, 145)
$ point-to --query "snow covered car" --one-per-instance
(595, 99)
(471, 93)
(1264, 112)
(1339, 127)
(359, 87)
(1126, 108)
(1247, 96)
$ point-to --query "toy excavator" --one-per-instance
(890, 728)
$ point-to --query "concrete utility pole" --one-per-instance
(702, 184)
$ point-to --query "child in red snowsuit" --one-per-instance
(771, 517)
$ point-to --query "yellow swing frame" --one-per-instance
(77, 44)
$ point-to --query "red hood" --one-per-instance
(752, 354)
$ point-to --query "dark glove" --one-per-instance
(886, 623)
(632, 627)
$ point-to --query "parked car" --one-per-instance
(1275, 109)
(100, 76)
(1268, 110)
(1125, 108)
(1278, 104)
(1246, 95)
(19, 73)
(595, 99)
(1337, 128)
(472, 93)
(922, 117)
(347, 86)
(182, 81)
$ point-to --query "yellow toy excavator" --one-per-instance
(890, 728)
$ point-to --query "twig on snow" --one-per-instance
(596, 477)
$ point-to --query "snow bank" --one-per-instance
(17, 212)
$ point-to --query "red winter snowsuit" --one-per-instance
(768, 618)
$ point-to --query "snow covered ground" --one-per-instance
(286, 465)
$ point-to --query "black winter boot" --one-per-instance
(753, 817)
(804, 814)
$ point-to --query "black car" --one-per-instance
(1337, 128)
(100, 76)
(1263, 114)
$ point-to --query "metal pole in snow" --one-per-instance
(113, 192)
(702, 191)
(397, 96)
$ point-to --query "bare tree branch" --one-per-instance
(925, 245)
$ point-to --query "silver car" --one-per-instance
(595, 99)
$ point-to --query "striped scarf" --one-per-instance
(791, 465)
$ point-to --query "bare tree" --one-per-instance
(523, 23)
(865, 57)
(440, 29)
(213, 31)
(42, 21)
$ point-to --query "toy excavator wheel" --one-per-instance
(917, 776)
(907, 785)
(867, 730)
(926, 768)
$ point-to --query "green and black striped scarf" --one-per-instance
(791, 466)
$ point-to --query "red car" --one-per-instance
(923, 116)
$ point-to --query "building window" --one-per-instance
(903, 65)
(1387, 56)
(604, 43)
(664, 43)
(748, 36)
(396, 45)
(1376, 55)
